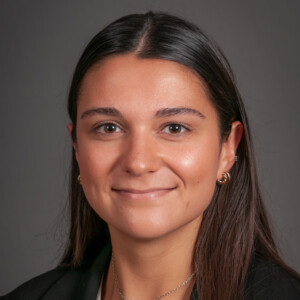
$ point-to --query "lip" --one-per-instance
(137, 194)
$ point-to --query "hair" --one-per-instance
(235, 226)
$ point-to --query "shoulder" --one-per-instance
(61, 280)
(64, 283)
(36, 287)
(266, 280)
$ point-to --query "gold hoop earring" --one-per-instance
(79, 179)
(225, 178)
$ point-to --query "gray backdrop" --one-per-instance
(40, 44)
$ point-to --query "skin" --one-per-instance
(149, 152)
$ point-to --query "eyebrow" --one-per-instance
(108, 111)
(165, 112)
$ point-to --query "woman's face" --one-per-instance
(148, 145)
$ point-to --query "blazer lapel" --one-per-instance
(91, 279)
(79, 284)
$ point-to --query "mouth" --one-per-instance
(142, 194)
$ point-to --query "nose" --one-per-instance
(140, 155)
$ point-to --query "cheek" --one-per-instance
(197, 169)
(89, 164)
(196, 164)
(95, 164)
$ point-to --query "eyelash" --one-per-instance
(98, 127)
(183, 127)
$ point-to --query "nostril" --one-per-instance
(140, 162)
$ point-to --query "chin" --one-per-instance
(151, 229)
(150, 233)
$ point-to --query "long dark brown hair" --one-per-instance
(235, 225)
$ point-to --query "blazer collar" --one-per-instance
(92, 277)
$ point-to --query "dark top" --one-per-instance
(266, 281)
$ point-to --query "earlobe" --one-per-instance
(229, 147)
(70, 127)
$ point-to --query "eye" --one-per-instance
(175, 128)
(108, 128)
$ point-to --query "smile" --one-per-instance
(136, 194)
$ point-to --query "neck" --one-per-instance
(149, 268)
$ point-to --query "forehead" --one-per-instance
(145, 84)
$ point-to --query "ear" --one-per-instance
(70, 127)
(228, 150)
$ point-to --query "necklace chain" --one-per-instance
(116, 283)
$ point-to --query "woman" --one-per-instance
(164, 195)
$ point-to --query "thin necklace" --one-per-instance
(116, 283)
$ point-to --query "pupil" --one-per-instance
(110, 127)
(175, 127)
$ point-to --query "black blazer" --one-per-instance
(266, 281)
